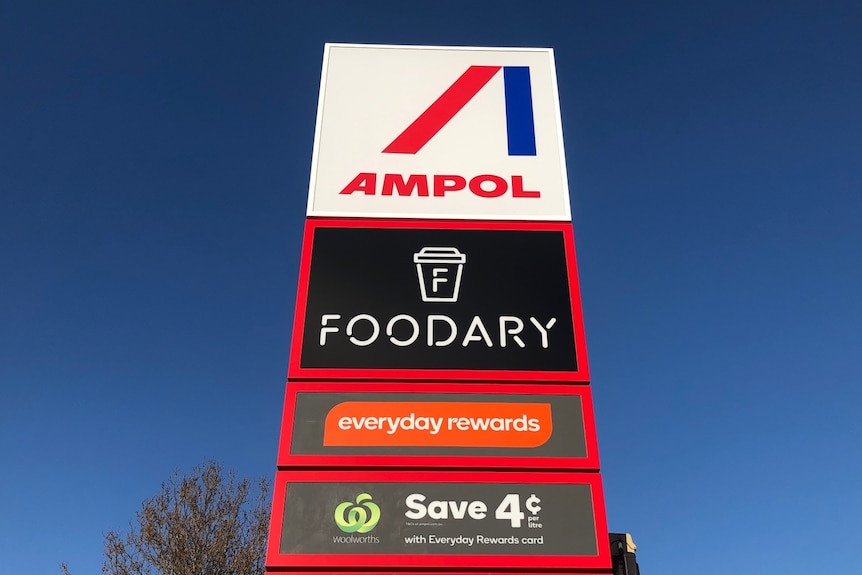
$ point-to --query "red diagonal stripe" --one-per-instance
(442, 110)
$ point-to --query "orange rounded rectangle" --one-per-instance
(438, 424)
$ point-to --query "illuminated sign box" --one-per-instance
(428, 519)
(454, 300)
(438, 425)
(438, 132)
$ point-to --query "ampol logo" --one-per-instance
(520, 128)
(520, 135)
(434, 132)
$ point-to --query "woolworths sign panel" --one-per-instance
(438, 519)
(438, 132)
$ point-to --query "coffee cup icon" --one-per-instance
(439, 270)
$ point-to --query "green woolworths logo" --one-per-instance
(360, 517)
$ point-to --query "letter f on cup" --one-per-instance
(439, 270)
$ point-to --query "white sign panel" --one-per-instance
(438, 132)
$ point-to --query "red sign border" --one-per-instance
(471, 460)
(295, 371)
(275, 559)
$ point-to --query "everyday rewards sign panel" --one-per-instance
(438, 425)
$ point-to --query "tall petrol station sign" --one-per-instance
(438, 413)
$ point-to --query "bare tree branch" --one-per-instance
(206, 523)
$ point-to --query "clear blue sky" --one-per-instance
(154, 161)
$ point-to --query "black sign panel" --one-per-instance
(479, 297)
(421, 520)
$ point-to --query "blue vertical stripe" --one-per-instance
(519, 111)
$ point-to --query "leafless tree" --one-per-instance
(204, 523)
